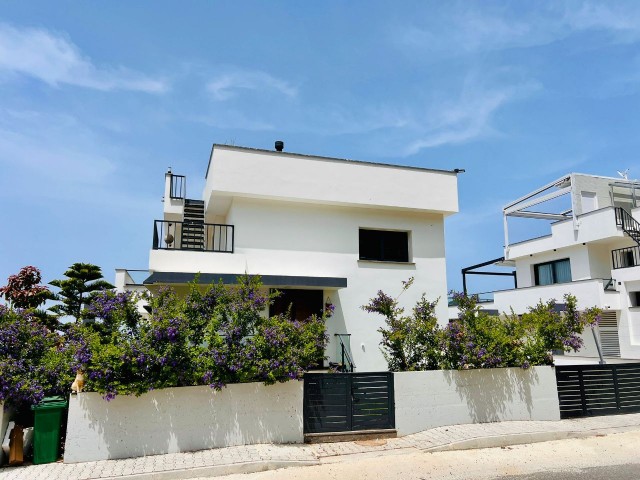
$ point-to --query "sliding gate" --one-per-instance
(344, 402)
(589, 390)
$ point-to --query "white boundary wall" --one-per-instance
(5, 416)
(182, 419)
(436, 398)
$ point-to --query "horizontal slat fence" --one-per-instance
(346, 402)
(590, 390)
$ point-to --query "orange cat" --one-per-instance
(78, 383)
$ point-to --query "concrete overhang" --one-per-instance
(280, 281)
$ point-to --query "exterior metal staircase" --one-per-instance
(628, 224)
(192, 237)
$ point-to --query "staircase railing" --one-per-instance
(628, 224)
(209, 237)
(346, 363)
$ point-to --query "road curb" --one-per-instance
(217, 470)
(507, 440)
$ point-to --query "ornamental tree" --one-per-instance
(83, 282)
(24, 291)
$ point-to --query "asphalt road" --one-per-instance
(614, 472)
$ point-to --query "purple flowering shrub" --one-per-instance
(33, 360)
(476, 339)
(409, 342)
(479, 340)
(549, 329)
(209, 336)
(244, 344)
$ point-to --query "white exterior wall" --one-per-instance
(182, 420)
(629, 322)
(282, 238)
(431, 399)
(593, 226)
(578, 256)
(242, 172)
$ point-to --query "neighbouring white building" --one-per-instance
(318, 229)
(592, 252)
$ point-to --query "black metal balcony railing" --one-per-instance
(178, 186)
(625, 257)
(207, 237)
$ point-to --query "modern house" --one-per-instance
(317, 229)
(591, 252)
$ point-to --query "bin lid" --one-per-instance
(50, 402)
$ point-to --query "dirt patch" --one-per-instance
(371, 443)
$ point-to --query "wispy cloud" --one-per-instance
(467, 117)
(227, 85)
(55, 60)
(50, 157)
(617, 17)
(466, 29)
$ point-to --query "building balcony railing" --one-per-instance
(178, 187)
(626, 257)
(192, 236)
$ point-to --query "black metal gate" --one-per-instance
(343, 402)
(590, 390)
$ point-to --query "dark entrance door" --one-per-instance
(343, 402)
(304, 303)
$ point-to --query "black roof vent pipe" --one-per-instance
(279, 145)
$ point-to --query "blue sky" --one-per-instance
(97, 99)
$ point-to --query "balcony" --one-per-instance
(193, 236)
(625, 257)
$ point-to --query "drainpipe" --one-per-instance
(595, 338)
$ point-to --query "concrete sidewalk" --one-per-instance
(254, 458)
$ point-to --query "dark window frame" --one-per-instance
(384, 245)
(554, 281)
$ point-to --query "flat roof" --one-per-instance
(323, 158)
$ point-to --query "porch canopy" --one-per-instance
(291, 281)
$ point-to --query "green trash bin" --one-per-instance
(46, 431)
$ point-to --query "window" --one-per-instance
(384, 245)
(558, 271)
(634, 298)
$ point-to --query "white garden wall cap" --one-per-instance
(454, 171)
(232, 279)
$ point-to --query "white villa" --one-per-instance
(592, 252)
(318, 229)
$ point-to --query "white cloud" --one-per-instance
(55, 60)
(463, 29)
(467, 118)
(49, 158)
(226, 85)
(615, 17)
